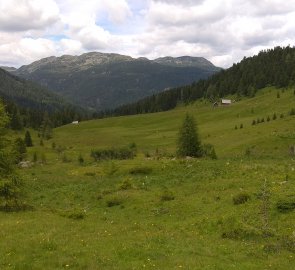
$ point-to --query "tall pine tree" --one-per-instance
(9, 181)
(189, 143)
(28, 139)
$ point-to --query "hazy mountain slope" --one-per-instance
(9, 69)
(28, 94)
(104, 81)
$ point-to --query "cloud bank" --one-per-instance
(222, 31)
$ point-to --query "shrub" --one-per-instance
(19, 149)
(209, 151)
(10, 193)
(35, 157)
(248, 151)
(43, 158)
(241, 198)
(167, 196)
(126, 184)
(28, 139)
(286, 205)
(65, 158)
(76, 216)
(110, 169)
(114, 201)
(53, 145)
(80, 159)
(141, 170)
(268, 118)
(237, 230)
(292, 112)
(274, 117)
(241, 125)
(89, 174)
(133, 147)
(113, 153)
(254, 122)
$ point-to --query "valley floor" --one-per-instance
(154, 214)
(156, 211)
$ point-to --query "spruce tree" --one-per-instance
(189, 143)
(9, 181)
(28, 139)
(20, 149)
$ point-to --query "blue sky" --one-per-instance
(222, 31)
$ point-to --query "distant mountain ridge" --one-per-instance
(9, 69)
(185, 61)
(106, 80)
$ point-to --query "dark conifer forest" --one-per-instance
(273, 67)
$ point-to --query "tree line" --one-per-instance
(26, 117)
(272, 67)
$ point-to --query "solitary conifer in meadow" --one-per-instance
(274, 117)
(268, 119)
(28, 139)
(189, 143)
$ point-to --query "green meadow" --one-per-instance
(157, 211)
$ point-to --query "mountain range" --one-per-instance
(103, 81)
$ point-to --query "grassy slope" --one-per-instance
(151, 131)
(144, 231)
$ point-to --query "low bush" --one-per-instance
(126, 184)
(141, 170)
(241, 198)
(232, 228)
(281, 243)
(89, 174)
(114, 201)
(167, 196)
(286, 205)
(209, 151)
(113, 153)
(75, 214)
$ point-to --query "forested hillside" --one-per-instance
(273, 67)
(27, 103)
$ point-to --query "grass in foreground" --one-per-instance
(159, 212)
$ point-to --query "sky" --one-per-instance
(223, 31)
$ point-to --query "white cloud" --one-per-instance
(22, 15)
(26, 50)
(222, 31)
